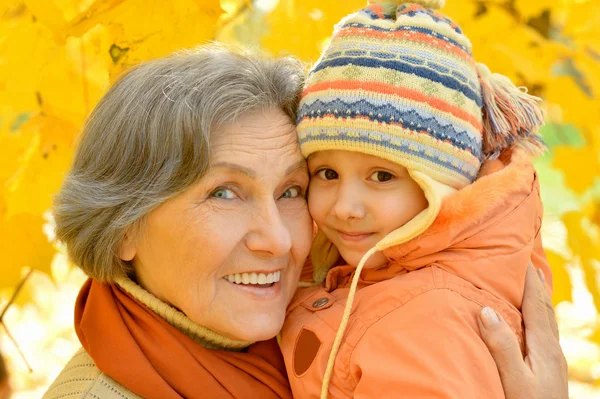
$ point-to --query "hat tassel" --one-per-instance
(511, 116)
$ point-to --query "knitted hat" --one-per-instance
(398, 81)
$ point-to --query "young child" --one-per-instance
(427, 208)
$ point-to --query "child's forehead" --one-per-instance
(350, 159)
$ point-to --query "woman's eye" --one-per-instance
(291, 192)
(382, 176)
(223, 193)
(327, 174)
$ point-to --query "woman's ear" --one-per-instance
(127, 248)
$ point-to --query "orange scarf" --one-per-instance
(149, 356)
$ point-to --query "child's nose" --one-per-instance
(349, 204)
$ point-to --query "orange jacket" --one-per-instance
(413, 329)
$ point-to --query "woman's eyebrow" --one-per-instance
(300, 165)
(235, 168)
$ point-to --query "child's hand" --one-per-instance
(543, 372)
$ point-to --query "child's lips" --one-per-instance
(354, 236)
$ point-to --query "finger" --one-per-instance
(554, 354)
(535, 314)
(549, 307)
(502, 344)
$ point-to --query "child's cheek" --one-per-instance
(316, 202)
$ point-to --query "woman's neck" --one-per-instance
(202, 335)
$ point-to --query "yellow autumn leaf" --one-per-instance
(43, 166)
(64, 89)
(532, 8)
(25, 47)
(580, 166)
(562, 288)
(595, 213)
(49, 15)
(582, 24)
(522, 54)
(586, 245)
(175, 25)
(23, 244)
(312, 19)
(589, 68)
(14, 145)
(240, 25)
(576, 106)
(8, 7)
(581, 241)
(47, 76)
(462, 12)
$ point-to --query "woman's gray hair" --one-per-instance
(148, 140)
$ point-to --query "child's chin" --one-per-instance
(376, 260)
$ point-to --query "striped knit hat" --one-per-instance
(399, 81)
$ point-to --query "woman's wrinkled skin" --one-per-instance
(247, 214)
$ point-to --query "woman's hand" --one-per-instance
(543, 372)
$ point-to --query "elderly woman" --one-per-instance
(186, 207)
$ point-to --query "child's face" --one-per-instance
(357, 199)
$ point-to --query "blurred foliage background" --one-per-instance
(57, 58)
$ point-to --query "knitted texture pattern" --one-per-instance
(398, 81)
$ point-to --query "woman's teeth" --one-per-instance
(254, 278)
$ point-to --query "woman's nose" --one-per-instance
(270, 235)
(348, 204)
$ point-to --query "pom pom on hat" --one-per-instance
(511, 116)
(433, 4)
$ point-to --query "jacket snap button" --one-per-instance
(319, 303)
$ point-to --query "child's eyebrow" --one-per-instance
(316, 157)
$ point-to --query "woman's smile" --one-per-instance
(255, 278)
(259, 286)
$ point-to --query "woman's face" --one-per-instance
(228, 251)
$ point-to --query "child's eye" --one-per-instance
(327, 174)
(291, 192)
(382, 176)
(223, 193)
